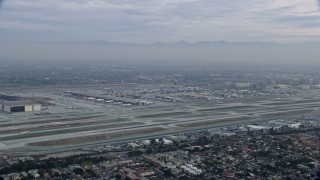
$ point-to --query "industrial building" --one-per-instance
(19, 106)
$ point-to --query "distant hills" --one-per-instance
(194, 44)
(182, 51)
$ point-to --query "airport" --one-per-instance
(169, 89)
(70, 121)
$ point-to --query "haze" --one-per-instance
(34, 30)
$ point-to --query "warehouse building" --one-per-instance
(19, 106)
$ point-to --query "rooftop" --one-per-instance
(18, 103)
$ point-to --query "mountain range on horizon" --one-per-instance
(215, 51)
(183, 43)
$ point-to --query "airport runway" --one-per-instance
(71, 129)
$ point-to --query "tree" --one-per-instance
(78, 171)
(118, 176)
(153, 142)
(148, 151)
(167, 172)
(196, 149)
(56, 174)
(91, 173)
(318, 175)
(203, 140)
(161, 141)
(135, 153)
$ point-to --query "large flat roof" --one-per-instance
(18, 103)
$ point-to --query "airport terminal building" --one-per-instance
(19, 106)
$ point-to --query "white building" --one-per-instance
(166, 141)
(190, 169)
(19, 106)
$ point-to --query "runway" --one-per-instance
(71, 130)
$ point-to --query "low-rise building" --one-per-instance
(19, 106)
(190, 169)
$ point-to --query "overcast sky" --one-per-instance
(147, 21)
(41, 30)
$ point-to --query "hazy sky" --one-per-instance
(42, 30)
(147, 21)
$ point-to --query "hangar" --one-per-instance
(19, 106)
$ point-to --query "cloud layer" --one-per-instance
(145, 21)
